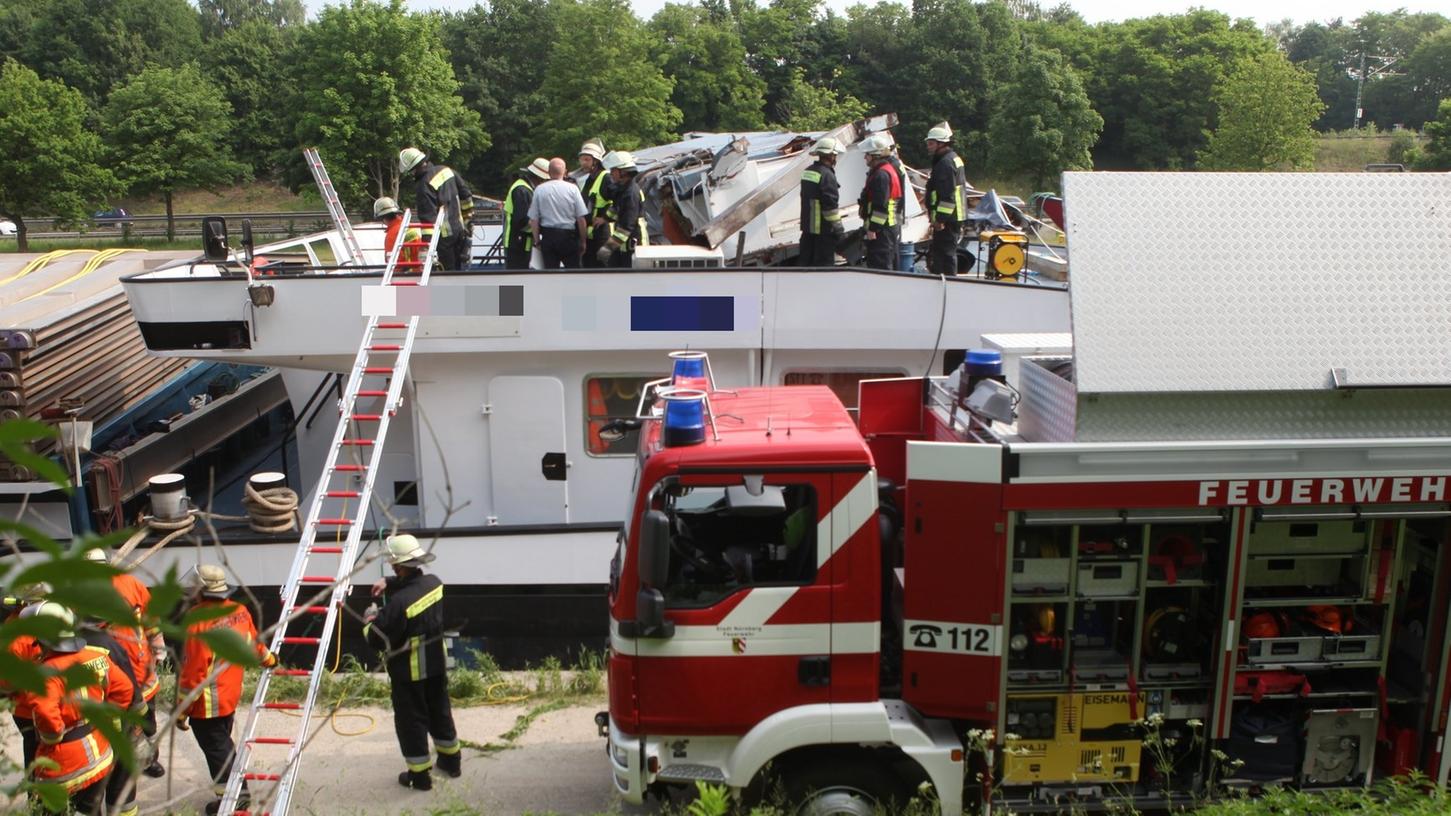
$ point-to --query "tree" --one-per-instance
(808, 107)
(167, 129)
(1042, 121)
(247, 62)
(1429, 72)
(370, 79)
(601, 81)
(1266, 110)
(1436, 155)
(91, 45)
(50, 159)
(501, 88)
(220, 16)
(702, 52)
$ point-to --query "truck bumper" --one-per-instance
(627, 765)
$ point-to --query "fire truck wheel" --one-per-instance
(839, 787)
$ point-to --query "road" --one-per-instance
(558, 765)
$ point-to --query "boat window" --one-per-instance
(842, 383)
(723, 539)
(609, 397)
(322, 250)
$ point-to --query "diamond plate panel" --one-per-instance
(1269, 415)
(1259, 281)
(1046, 412)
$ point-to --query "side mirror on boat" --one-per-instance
(248, 245)
(214, 238)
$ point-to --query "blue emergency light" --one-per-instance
(684, 422)
(690, 370)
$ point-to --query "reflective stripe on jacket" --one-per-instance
(629, 211)
(945, 198)
(221, 694)
(409, 627)
(820, 200)
(80, 756)
(516, 215)
(879, 198)
(440, 186)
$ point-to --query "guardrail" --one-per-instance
(188, 225)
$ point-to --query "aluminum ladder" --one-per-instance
(330, 586)
(334, 205)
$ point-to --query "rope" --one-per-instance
(273, 510)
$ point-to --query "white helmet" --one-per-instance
(940, 132)
(65, 640)
(97, 555)
(539, 168)
(876, 145)
(408, 158)
(827, 146)
(404, 550)
(385, 206)
(593, 147)
(619, 160)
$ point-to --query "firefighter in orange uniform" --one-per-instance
(23, 647)
(74, 754)
(211, 714)
(141, 645)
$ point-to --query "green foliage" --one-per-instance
(221, 16)
(1042, 122)
(704, 55)
(245, 61)
(502, 88)
(1402, 149)
(1266, 110)
(1399, 796)
(710, 800)
(600, 81)
(50, 160)
(370, 78)
(167, 129)
(808, 107)
(91, 45)
(1436, 155)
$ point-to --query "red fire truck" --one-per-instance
(925, 595)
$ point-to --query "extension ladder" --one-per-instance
(334, 205)
(330, 586)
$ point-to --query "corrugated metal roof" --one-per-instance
(1259, 281)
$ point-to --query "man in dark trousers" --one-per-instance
(820, 202)
(878, 204)
(594, 186)
(946, 204)
(627, 212)
(438, 187)
(518, 241)
(409, 631)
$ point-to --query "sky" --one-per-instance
(1095, 11)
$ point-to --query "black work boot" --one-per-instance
(417, 780)
(154, 770)
(451, 764)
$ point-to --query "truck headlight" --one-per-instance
(620, 755)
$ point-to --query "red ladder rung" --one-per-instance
(313, 610)
(292, 672)
(366, 417)
(392, 325)
(327, 549)
(272, 740)
(316, 579)
(415, 243)
(297, 640)
(385, 347)
(260, 777)
(334, 522)
(372, 393)
(343, 494)
(359, 443)
(378, 370)
(282, 706)
(404, 283)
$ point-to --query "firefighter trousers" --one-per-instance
(88, 800)
(516, 256)
(882, 250)
(817, 250)
(29, 740)
(120, 791)
(421, 709)
(942, 254)
(214, 737)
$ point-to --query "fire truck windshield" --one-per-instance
(726, 538)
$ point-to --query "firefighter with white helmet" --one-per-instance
(408, 629)
(627, 211)
(878, 203)
(438, 186)
(820, 204)
(595, 187)
(946, 201)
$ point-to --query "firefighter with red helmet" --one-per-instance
(408, 629)
(71, 753)
(212, 713)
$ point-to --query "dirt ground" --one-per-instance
(558, 765)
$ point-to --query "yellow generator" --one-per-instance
(1007, 252)
(1072, 738)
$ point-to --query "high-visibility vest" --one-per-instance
(79, 756)
(509, 216)
(220, 696)
(135, 639)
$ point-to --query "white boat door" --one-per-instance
(526, 450)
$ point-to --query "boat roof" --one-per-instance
(1236, 282)
(760, 427)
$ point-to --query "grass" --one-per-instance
(256, 196)
(1351, 150)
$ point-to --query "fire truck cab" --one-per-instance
(1150, 570)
